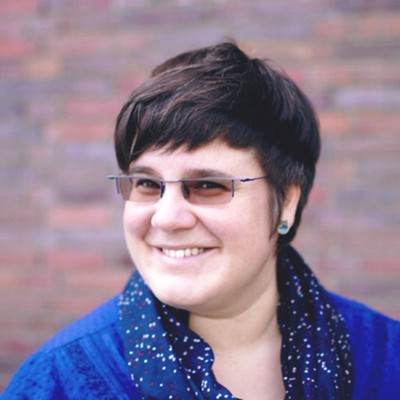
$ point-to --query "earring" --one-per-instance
(283, 227)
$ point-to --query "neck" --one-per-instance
(246, 349)
(251, 326)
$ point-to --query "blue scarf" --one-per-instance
(166, 360)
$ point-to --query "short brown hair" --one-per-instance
(218, 92)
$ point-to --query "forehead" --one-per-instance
(216, 156)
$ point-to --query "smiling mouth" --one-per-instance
(182, 253)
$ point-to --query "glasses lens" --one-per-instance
(140, 189)
(124, 187)
(209, 191)
(196, 191)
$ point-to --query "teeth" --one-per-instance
(181, 253)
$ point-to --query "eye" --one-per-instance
(146, 186)
(146, 183)
(209, 187)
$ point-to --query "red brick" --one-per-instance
(111, 281)
(334, 123)
(10, 280)
(82, 216)
(331, 29)
(17, 257)
(373, 26)
(43, 67)
(74, 259)
(383, 266)
(12, 8)
(15, 49)
(372, 122)
(75, 43)
(79, 131)
(91, 108)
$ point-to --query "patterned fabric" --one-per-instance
(315, 355)
(167, 360)
(84, 360)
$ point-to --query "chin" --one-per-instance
(185, 289)
(174, 296)
(177, 300)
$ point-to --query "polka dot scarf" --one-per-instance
(315, 354)
(166, 360)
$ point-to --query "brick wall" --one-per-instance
(66, 67)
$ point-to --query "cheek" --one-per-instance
(244, 229)
(254, 226)
(136, 223)
(256, 213)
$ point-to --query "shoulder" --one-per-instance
(83, 360)
(103, 318)
(375, 349)
(358, 315)
(366, 322)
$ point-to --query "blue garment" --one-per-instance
(375, 348)
(86, 359)
(83, 361)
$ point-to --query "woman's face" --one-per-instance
(208, 259)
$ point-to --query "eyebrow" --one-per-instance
(192, 173)
(141, 169)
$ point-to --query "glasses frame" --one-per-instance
(184, 188)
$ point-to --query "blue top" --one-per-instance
(86, 359)
(375, 348)
(137, 347)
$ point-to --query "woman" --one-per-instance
(217, 153)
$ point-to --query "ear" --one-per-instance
(292, 196)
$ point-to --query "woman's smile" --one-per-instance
(182, 253)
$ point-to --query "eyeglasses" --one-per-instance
(204, 191)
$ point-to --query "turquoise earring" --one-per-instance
(283, 228)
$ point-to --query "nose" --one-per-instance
(172, 211)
